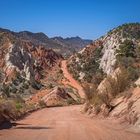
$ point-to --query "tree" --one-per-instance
(126, 49)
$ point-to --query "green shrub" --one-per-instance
(18, 106)
(134, 73)
(42, 104)
(6, 90)
(79, 55)
(25, 85)
(60, 71)
(126, 49)
(36, 85)
(70, 101)
(13, 89)
(8, 109)
(50, 86)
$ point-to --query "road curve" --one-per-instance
(65, 123)
(71, 80)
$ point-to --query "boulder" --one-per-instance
(58, 97)
(138, 82)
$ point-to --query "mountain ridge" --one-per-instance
(101, 53)
(64, 46)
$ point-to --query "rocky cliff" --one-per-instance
(120, 45)
(109, 70)
(22, 63)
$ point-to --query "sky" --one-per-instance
(88, 19)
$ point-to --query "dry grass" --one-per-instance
(8, 109)
(89, 90)
(13, 109)
(115, 85)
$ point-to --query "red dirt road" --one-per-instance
(65, 123)
(71, 80)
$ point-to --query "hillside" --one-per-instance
(109, 70)
(102, 56)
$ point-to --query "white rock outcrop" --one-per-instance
(138, 82)
(108, 59)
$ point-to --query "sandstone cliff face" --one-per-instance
(108, 60)
(18, 60)
(23, 62)
(29, 60)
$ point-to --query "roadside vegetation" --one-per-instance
(128, 56)
(111, 89)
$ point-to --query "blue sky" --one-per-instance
(85, 18)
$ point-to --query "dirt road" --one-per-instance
(65, 123)
(71, 80)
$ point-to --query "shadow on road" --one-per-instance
(33, 127)
(8, 125)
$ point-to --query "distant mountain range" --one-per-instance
(73, 44)
(64, 46)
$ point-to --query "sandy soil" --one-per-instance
(65, 123)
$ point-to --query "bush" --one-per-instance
(25, 85)
(6, 90)
(36, 85)
(60, 71)
(97, 109)
(12, 88)
(90, 90)
(128, 56)
(42, 104)
(133, 73)
(125, 61)
(105, 98)
(117, 84)
(70, 101)
(8, 109)
(50, 86)
(112, 88)
(18, 106)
